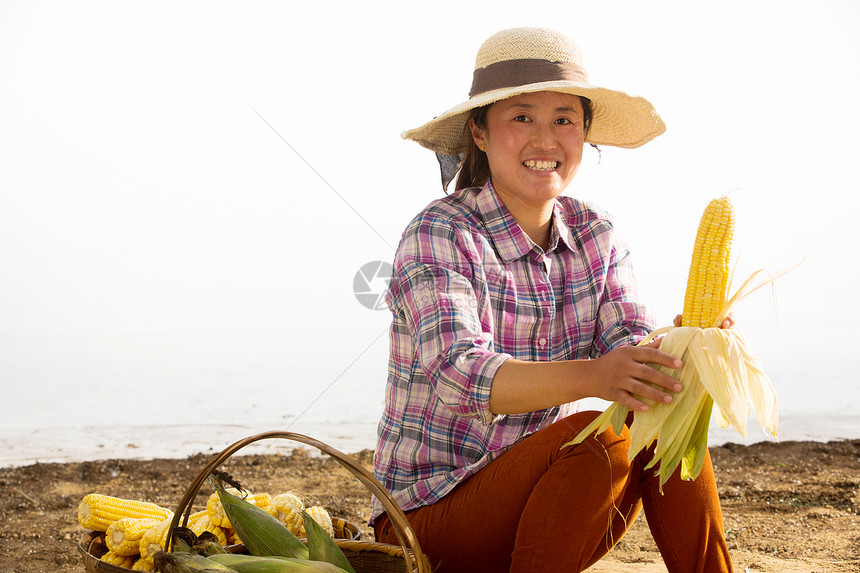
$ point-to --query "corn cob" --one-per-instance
(287, 508)
(123, 536)
(718, 367)
(125, 561)
(709, 269)
(98, 511)
(322, 517)
(155, 539)
(216, 509)
(196, 518)
(144, 564)
(200, 522)
(683, 435)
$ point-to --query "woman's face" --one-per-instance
(534, 145)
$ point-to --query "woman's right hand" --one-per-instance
(625, 375)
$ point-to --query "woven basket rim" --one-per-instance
(409, 548)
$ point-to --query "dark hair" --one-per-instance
(475, 169)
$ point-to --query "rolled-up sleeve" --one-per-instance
(450, 322)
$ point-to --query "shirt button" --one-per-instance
(542, 341)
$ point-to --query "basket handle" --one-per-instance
(398, 518)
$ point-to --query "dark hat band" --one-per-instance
(514, 73)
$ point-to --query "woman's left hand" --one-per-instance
(728, 322)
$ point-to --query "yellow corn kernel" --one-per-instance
(221, 534)
(98, 511)
(200, 522)
(287, 508)
(232, 537)
(125, 561)
(321, 516)
(154, 539)
(709, 268)
(123, 535)
(216, 510)
(194, 518)
(144, 564)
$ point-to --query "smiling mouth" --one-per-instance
(541, 165)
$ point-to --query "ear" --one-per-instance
(479, 135)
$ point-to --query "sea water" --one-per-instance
(75, 398)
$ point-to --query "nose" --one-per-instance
(543, 136)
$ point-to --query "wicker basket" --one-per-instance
(364, 556)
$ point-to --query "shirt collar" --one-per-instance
(560, 229)
(510, 240)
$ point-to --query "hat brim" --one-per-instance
(619, 119)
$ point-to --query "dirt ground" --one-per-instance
(793, 506)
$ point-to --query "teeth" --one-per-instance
(541, 165)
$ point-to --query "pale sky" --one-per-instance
(229, 166)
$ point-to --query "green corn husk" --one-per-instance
(262, 534)
(183, 562)
(208, 547)
(321, 547)
(257, 564)
(181, 545)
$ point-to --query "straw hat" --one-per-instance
(525, 60)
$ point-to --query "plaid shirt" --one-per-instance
(470, 290)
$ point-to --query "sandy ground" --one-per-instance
(788, 507)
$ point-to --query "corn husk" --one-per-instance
(188, 562)
(321, 547)
(261, 533)
(257, 564)
(719, 372)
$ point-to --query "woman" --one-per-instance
(510, 303)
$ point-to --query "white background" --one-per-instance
(187, 189)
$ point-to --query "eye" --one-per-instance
(521, 117)
(563, 121)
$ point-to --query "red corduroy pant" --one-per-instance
(538, 507)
